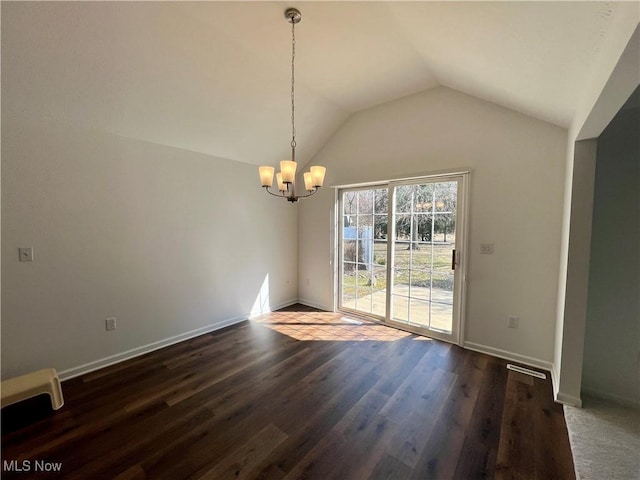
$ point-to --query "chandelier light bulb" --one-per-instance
(288, 169)
(266, 176)
(308, 182)
(317, 174)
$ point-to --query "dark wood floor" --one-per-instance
(299, 395)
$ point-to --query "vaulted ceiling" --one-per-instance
(213, 77)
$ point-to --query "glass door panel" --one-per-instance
(363, 245)
(397, 244)
(423, 244)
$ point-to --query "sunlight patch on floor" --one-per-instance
(327, 326)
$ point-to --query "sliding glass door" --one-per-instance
(400, 247)
(364, 250)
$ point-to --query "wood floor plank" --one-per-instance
(441, 454)
(268, 383)
(240, 464)
(390, 468)
(408, 395)
(191, 383)
(552, 452)
(226, 371)
(132, 473)
(316, 429)
(142, 436)
(480, 450)
(296, 394)
(418, 424)
(362, 429)
(516, 458)
(368, 434)
(396, 361)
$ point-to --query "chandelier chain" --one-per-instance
(314, 178)
(293, 91)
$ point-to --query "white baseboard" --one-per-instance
(273, 308)
(310, 303)
(136, 352)
(570, 400)
(554, 381)
(561, 397)
(623, 401)
(514, 357)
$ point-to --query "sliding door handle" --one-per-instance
(453, 259)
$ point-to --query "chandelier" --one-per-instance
(286, 178)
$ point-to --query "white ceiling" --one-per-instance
(213, 77)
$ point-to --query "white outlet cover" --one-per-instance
(513, 321)
(25, 254)
(110, 324)
(486, 248)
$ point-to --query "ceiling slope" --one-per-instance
(213, 77)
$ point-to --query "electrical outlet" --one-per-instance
(513, 321)
(110, 324)
(25, 254)
(486, 248)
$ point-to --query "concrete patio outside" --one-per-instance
(410, 305)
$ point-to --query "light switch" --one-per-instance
(25, 254)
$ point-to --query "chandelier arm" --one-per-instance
(308, 194)
(291, 197)
(274, 194)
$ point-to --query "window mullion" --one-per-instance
(391, 233)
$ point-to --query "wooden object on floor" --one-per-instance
(302, 394)
(33, 384)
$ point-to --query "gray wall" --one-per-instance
(612, 337)
(517, 177)
(170, 242)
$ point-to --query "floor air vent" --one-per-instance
(526, 371)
